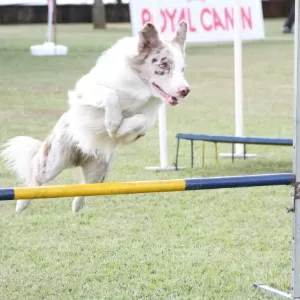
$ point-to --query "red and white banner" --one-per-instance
(208, 20)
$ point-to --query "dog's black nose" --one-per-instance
(184, 91)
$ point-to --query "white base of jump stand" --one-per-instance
(163, 169)
(238, 156)
(48, 49)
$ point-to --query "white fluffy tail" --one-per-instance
(18, 153)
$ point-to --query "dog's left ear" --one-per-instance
(180, 35)
(148, 38)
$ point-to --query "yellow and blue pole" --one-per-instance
(137, 187)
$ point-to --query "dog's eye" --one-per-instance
(163, 65)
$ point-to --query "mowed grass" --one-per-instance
(192, 245)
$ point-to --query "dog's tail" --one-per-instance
(18, 153)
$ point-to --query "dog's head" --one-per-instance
(161, 63)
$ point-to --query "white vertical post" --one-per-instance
(162, 112)
(238, 76)
(162, 125)
(49, 48)
(295, 291)
(50, 20)
(238, 83)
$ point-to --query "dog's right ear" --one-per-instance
(180, 35)
(148, 38)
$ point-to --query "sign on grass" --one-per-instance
(208, 20)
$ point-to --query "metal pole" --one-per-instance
(295, 280)
(295, 285)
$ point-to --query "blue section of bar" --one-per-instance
(7, 194)
(239, 181)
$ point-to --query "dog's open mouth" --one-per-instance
(171, 100)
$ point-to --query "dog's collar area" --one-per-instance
(171, 100)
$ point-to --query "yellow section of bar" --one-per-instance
(203, 154)
(216, 153)
(109, 188)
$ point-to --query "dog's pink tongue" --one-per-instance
(172, 100)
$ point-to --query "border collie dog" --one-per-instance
(115, 103)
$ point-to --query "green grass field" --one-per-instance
(204, 245)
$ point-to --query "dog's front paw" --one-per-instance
(112, 127)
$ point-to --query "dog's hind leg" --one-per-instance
(94, 170)
(41, 173)
(54, 155)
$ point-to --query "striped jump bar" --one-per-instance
(136, 187)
